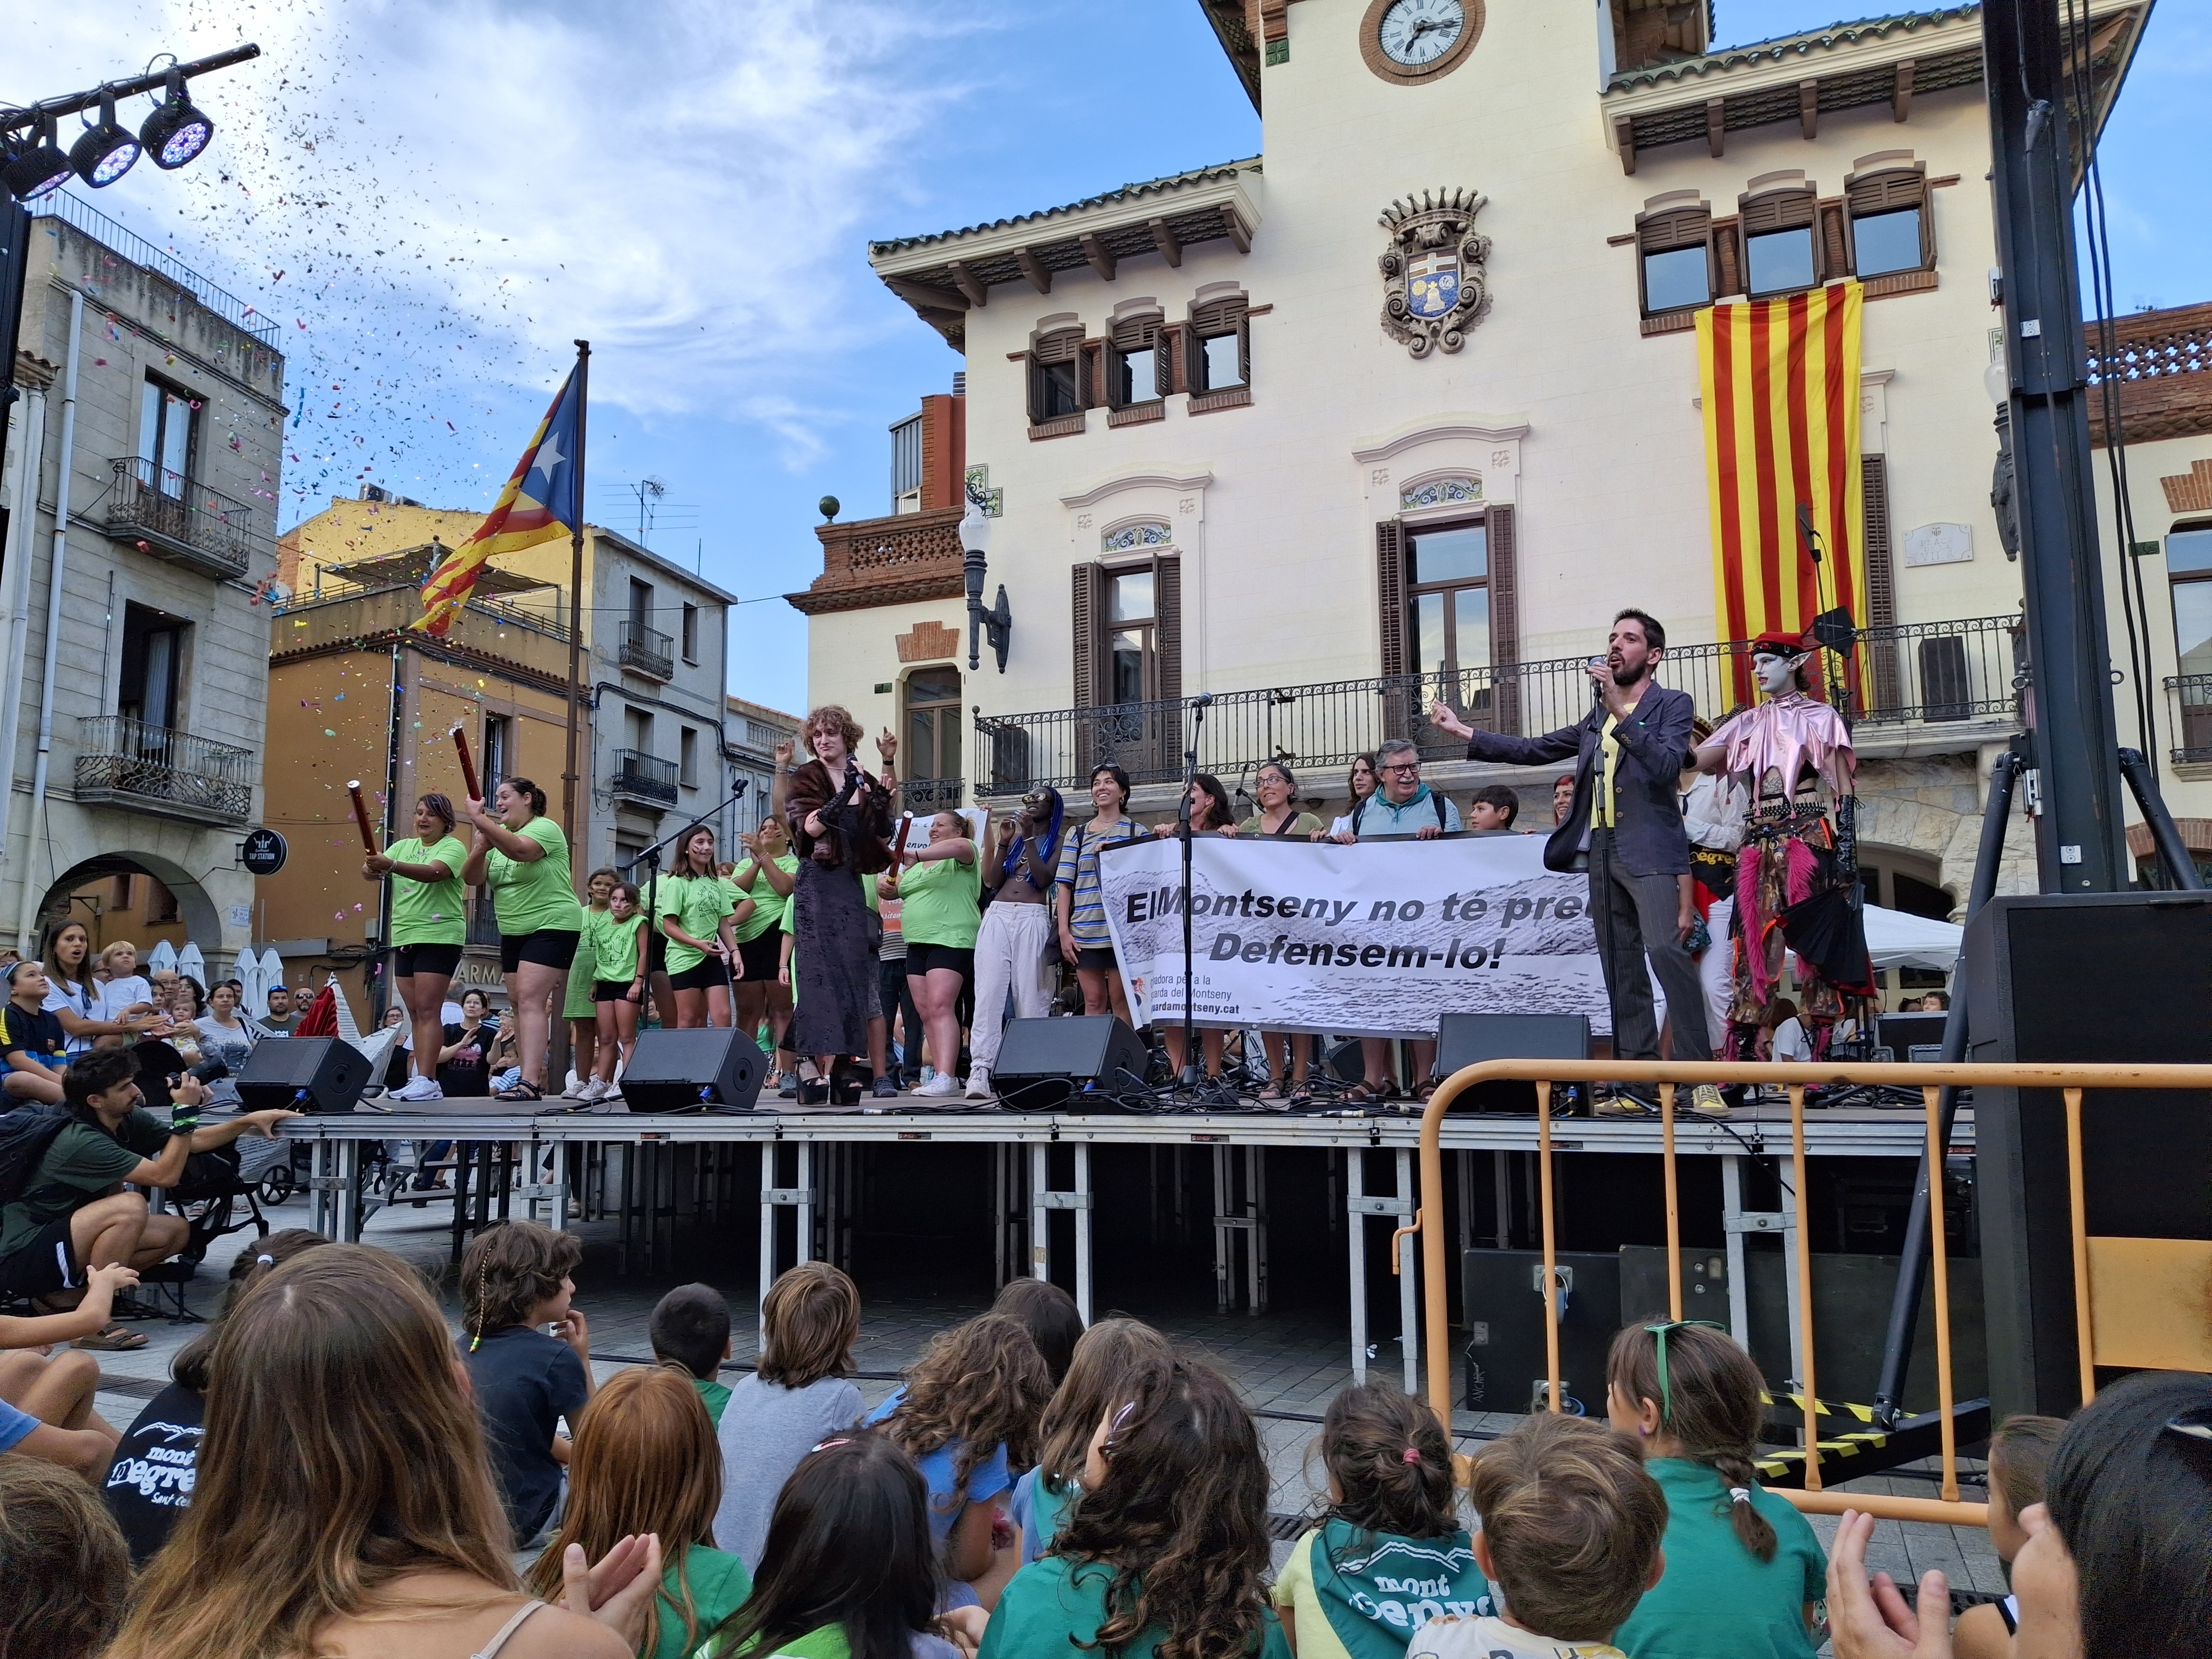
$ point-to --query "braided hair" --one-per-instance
(1713, 1403)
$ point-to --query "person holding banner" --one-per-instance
(521, 855)
(1080, 896)
(1626, 829)
(430, 923)
(1278, 817)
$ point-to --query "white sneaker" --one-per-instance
(979, 1084)
(594, 1089)
(419, 1088)
(940, 1085)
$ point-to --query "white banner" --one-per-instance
(1374, 940)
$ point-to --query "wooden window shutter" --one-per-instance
(1166, 378)
(1504, 619)
(1066, 346)
(1880, 580)
(1167, 621)
(1088, 609)
(1776, 210)
(1657, 233)
(1090, 377)
(1832, 244)
(1727, 257)
(1885, 193)
(1220, 317)
(1398, 695)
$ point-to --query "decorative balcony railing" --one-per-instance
(483, 923)
(2192, 723)
(644, 778)
(172, 517)
(173, 774)
(648, 651)
(921, 795)
(1917, 673)
(895, 560)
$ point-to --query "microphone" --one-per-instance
(1597, 691)
(1805, 529)
(1203, 699)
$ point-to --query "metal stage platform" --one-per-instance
(516, 1162)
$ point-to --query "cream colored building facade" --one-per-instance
(1282, 476)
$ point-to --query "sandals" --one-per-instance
(113, 1340)
(523, 1089)
(1364, 1092)
(1301, 1095)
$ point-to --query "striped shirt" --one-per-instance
(1079, 869)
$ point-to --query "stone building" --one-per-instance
(749, 736)
(140, 489)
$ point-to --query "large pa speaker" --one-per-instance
(1470, 1039)
(303, 1074)
(1504, 1298)
(1044, 1063)
(717, 1067)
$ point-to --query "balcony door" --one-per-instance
(932, 738)
(153, 662)
(1129, 669)
(165, 437)
(1449, 622)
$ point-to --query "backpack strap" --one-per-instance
(1438, 796)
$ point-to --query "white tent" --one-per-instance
(191, 965)
(162, 956)
(272, 968)
(1895, 939)
(248, 970)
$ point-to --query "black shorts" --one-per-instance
(701, 976)
(656, 952)
(409, 960)
(763, 956)
(920, 958)
(612, 990)
(549, 947)
(1101, 961)
(47, 1263)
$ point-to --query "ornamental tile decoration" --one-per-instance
(1439, 492)
(1136, 535)
(992, 501)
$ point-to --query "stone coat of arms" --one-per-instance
(1436, 283)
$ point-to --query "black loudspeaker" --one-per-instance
(1902, 1033)
(1050, 1062)
(303, 1074)
(2123, 977)
(714, 1068)
(1470, 1039)
(1504, 1302)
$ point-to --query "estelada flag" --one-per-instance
(1780, 380)
(543, 498)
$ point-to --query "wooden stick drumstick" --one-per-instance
(468, 765)
(361, 818)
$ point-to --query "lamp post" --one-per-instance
(997, 622)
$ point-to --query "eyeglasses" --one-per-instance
(1408, 766)
(1659, 1341)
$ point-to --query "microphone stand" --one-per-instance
(651, 858)
(1193, 1071)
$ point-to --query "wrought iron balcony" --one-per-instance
(922, 795)
(483, 923)
(171, 775)
(1922, 674)
(648, 651)
(172, 517)
(2192, 722)
(645, 779)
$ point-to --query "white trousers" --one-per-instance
(1009, 957)
(1717, 972)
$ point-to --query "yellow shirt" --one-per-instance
(1604, 814)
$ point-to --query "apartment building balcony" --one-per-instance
(2192, 722)
(922, 795)
(1914, 689)
(174, 518)
(891, 560)
(648, 651)
(483, 923)
(644, 779)
(170, 775)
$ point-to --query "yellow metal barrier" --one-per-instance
(1668, 1076)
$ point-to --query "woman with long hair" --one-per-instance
(695, 917)
(645, 1462)
(766, 876)
(579, 1004)
(228, 1035)
(521, 855)
(1102, 1373)
(1361, 782)
(1279, 818)
(1210, 814)
(73, 996)
(1014, 941)
(840, 819)
(1080, 892)
(429, 926)
(938, 892)
(344, 1505)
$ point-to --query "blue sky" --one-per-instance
(435, 196)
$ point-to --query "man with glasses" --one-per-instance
(1625, 827)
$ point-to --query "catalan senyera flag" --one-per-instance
(1781, 385)
(543, 498)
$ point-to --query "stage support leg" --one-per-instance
(1398, 1205)
(1043, 1200)
(1356, 1204)
(1502, 1169)
(802, 1198)
(1732, 1213)
(1224, 1251)
(322, 1171)
(1255, 1210)
(1083, 1232)
(1792, 1242)
(1409, 1283)
(551, 1189)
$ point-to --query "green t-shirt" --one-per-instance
(718, 1584)
(716, 1394)
(824, 1642)
(79, 1164)
(1051, 1607)
(1717, 1597)
(769, 905)
(429, 912)
(940, 903)
(698, 903)
(529, 898)
(1350, 1594)
(613, 944)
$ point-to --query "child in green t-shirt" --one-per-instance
(689, 1331)
(617, 937)
(577, 1006)
(1745, 1575)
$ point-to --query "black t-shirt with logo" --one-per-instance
(149, 1486)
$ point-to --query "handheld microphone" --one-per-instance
(1203, 699)
(1805, 529)
(1597, 691)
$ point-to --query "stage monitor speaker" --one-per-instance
(1504, 1294)
(1902, 1033)
(1044, 1064)
(1470, 1039)
(303, 1074)
(716, 1068)
(2123, 977)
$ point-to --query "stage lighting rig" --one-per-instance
(32, 162)
(106, 150)
(35, 163)
(177, 131)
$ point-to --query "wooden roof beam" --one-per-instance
(1165, 240)
(1900, 97)
(1808, 108)
(923, 297)
(977, 291)
(1716, 126)
(1034, 269)
(1624, 140)
(1101, 258)
(1235, 228)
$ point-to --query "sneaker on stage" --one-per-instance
(884, 1089)
(940, 1086)
(592, 1088)
(1707, 1101)
(419, 1088)
(979, 1084)
(1621, 1104)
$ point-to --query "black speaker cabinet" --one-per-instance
(715, 1068)
(1470, 1039)
(2097, 976)
(303, 1074)
(1504, 1292)
(1044, 1063)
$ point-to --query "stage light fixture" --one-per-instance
(36, 164)
(178, 130)
(106, 150)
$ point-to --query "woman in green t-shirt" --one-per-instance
(940, 894)
(430, 923)
(767, 876)
(523, 857)
(696, 917)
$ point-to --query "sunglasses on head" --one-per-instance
(1659, 1333)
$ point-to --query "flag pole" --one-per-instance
(569, 777)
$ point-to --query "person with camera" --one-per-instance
(67, 1212)
(1015, 936)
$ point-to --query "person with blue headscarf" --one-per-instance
(1015, 951)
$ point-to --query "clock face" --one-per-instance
(1417, 32)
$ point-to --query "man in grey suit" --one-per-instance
(1625, 826)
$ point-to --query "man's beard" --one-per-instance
(1624, 676)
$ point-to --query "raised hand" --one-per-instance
(1442, 716)
(783, 752)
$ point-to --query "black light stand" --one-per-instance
(651, 858)
(1193, 1067)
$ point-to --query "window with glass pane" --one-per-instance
(1130, 635)
(1780, 260)
(932, 724)
(165, 437)
(1887, 242)
(1680, 279)
(1057, 390)
(2189, 565)
(1223, 362)
(1448, 572)
(1136, 376)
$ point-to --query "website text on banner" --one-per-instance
(1375, 940)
